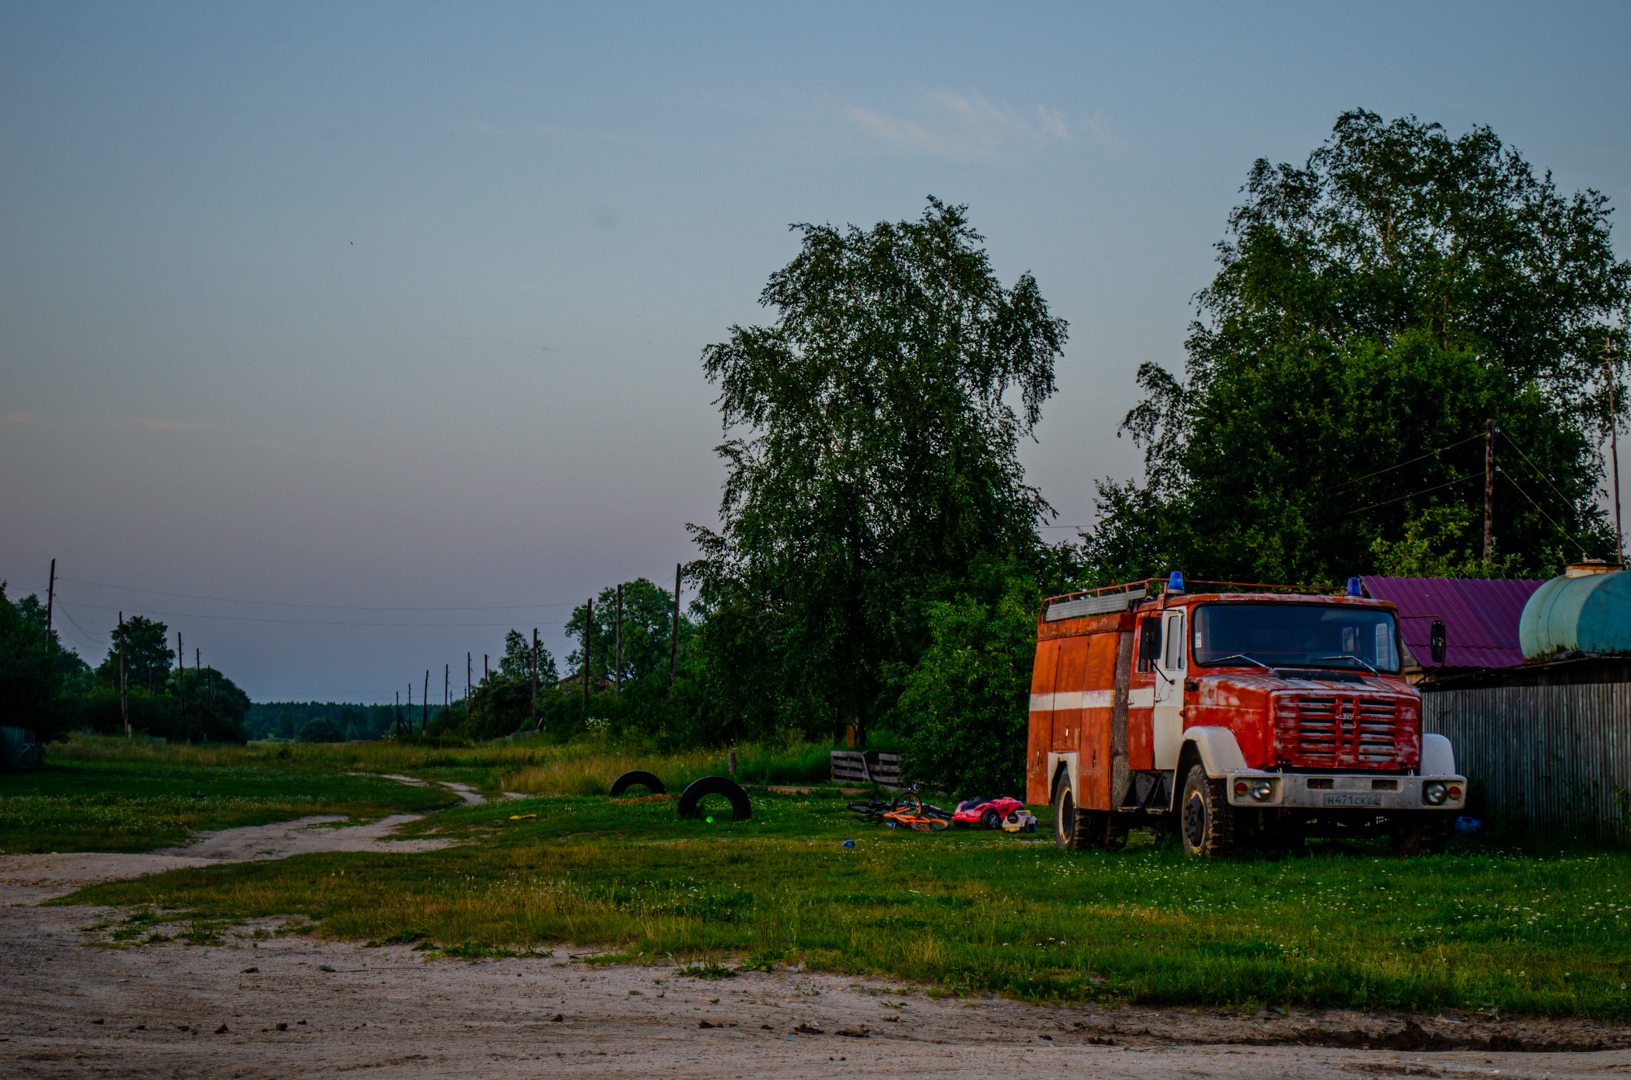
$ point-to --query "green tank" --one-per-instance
(1586, 609)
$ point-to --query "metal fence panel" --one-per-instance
(1561, 755)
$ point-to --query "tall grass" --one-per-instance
(588, 768)
(585, 766)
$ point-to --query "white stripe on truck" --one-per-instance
(1072, 699)
(1141, 698)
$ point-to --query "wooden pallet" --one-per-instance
(866, 767)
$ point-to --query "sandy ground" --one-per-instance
(72, 1006)
(26, 879)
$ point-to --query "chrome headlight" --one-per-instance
(1433, 793)
(1262, 791)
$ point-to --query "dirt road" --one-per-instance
(71, 1006)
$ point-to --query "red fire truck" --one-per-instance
(1234, 713)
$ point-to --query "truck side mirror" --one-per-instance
(1149, 643)
(1436, 641)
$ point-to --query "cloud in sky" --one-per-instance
(969, 128)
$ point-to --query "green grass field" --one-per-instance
(1342, 924)
(85, 798)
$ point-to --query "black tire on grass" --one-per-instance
(741, 809)
(637, 777)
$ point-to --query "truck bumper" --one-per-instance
(1343, 791)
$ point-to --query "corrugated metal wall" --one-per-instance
(1559, 754)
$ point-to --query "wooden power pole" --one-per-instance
(181, 683)
(588, 631)
(1489, 488)
(424, 705)
(1613, 449)
(535, 678)
(467, 661)
(124, 699)
(50, 601)
(618, 663)
(674, 630)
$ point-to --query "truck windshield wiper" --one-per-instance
(1345, 656)
(1242, 656)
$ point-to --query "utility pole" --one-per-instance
(535, 678)
(124, 699)
(1489, 488)
(618, 692)
(674, 631)
(1613, 449)
(410, 706)
(588, 630)
(447, 671)
(198, 681)
(467, 659)
(181, 683)
(484, 658)
(50, 601)
(424, 704)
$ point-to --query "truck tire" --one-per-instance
(741, 809)
(1424, 835)
(1206, 822)
(1068, 831)
(1080, 830)
(640, 777)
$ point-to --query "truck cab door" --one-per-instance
(1168, 720)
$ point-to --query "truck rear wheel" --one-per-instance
(1079, 830)
(1068, 833)
(1206, 822)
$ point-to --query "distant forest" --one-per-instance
(289, 719)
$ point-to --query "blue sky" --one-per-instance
(388, 317)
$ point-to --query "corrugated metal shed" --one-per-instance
(1480, 616)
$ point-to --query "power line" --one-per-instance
(304, 622)
(1564, 532)
(1402, 464)
(92, 640)
(1413, 494)
(1537, 469)
(332, 607)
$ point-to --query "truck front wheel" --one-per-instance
(1205, 819)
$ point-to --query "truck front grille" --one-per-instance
(1337, 731)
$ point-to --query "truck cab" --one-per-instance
(1232, 713)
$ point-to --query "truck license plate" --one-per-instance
(1344, 798)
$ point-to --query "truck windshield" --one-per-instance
(1296, 635)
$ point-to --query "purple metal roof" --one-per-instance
(1480, 616)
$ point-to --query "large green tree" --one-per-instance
(1372, 309)
(872, 435)
(147, 655)
(30, 672)
(648, 617)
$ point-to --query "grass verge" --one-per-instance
(138, 804)
(1343, 925)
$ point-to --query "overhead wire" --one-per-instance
(1413, 494)
(304, 622)
(1561, 530)
(1431, 453)
(1537, 469)
(331, 607)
